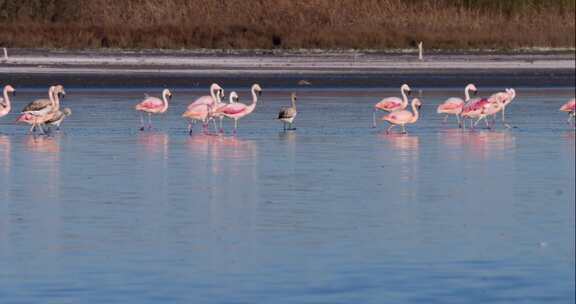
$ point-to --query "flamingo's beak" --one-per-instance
(409, 93)
(474, 93)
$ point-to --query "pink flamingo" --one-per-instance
(5, 105)
(153, 105)
(201, 108)
(570, 108)
(238, 110)
(496, 102)
(503, 99)
(390, 104)
(475, 109)
(403, 117)
(454, 105)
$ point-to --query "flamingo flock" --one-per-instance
(45, 113)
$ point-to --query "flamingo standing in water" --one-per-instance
(390, 104)
(5, 105)
(238, 110)
(454, 105)
(153, 105)
(201, 108)
(495, 103)
(501, 100)
(403, 117)
(288, 114)
(39, 111)
(569, 107)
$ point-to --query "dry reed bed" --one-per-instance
(241, 24)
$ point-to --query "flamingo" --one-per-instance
(39, 111)
(475, 109)
(391, 104)
(5, 105)
(199, 109)
(454, 105)
(288, 114)
(496, 102)
(569, 107)
(501, 100)
(153, 105)
(57, 118)
(238, 110)
(403, 117)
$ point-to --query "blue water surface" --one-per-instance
(334, 212)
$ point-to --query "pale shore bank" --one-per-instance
(290, 66)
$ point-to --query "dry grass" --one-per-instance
(265, 24)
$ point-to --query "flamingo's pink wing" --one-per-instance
(451, 104)
(203, 100)
(570, 106)
(475, 104)
(399, 116)
(151, 103)
(233, 108)
(389, 103)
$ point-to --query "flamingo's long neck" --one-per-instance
(294, 102)
(6, 98)
(51, 93)
(416, 113)
(252, 106)
(55, 100)
(467, 93)
(404, 98)
(165, 101)
(215, 95)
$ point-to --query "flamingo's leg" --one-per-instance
(374, 118)
(459, 121)
(404, 129)
(390, 128)
(215, 125)
(141, 122)
(504, 119)
(221, 128)
(446, 118)
(149, 121)
(487, 124)
(41, 129)
(235, 126)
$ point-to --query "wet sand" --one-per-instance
(189, 69)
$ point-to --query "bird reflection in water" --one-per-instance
(49, 145)
(5, 153)
(222, 151)
(407, 149)
(154, 143)
(45, 157)
(486, 144)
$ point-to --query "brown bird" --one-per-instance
(288, 114)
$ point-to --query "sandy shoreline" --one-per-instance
(289, 66)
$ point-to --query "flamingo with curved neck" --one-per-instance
(5, 104)
(238, 110)
(203, 107)
(454, 105)
(404, 117)
(391, 104)
(153, 105)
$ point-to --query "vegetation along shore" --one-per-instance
(287, 24)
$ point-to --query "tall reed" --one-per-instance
(375, 24)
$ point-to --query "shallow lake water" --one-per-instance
(334, 212)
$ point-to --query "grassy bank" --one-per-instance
(267, 24)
